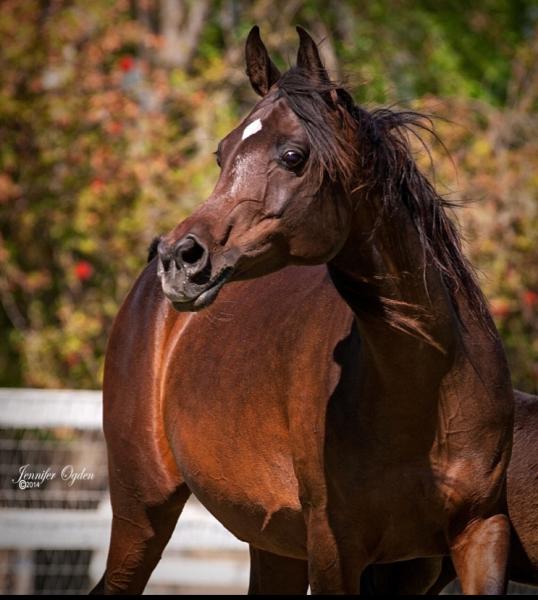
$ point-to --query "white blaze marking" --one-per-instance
(251, 129)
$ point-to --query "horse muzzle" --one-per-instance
(185, 271)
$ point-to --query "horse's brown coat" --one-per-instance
(346, 414)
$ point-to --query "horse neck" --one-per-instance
(423, 349)
(429, 368)
(403, 311)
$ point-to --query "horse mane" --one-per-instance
(381, 164)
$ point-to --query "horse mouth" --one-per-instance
(207, 296)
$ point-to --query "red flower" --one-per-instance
(530, 298)
(97, 185)
(126, 63)
(114, 127)
(83, 270)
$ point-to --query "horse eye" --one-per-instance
(217, 157)
(292, 159)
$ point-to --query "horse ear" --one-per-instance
(308, 57)
(260, 68)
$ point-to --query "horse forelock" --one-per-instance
(152, 249)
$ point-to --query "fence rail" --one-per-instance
(90, 530)
(47, 409)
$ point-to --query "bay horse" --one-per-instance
(310, 355)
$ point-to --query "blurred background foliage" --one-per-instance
(110, 112)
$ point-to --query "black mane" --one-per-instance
(380, 163)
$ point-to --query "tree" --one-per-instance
(110, 112)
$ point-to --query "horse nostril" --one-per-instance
(192, 257)
(190, 251)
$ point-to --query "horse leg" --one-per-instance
(480, 556)
(332, 568)
(447, 575)
(274, 575)
(139, 534)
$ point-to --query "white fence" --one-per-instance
(202, 556)
(47, 409)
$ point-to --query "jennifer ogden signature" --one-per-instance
(28, 479)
